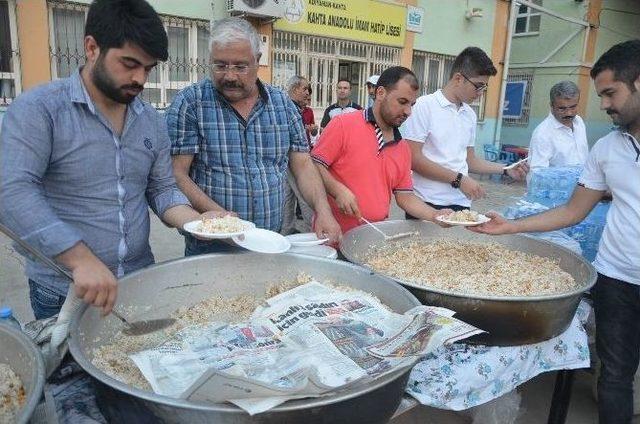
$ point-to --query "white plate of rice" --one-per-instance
(218, 228)
(464, 218)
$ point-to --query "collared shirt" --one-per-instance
(554, 144)
(66, 176)
(614, 164)
(446, 131)
(335, 110)
(350, 150)
(241, 165)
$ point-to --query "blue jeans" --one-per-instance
(193, 247)
(44, 301)
(617, 310)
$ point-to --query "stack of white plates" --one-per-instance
(309, 244)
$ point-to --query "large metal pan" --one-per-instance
(509, 321)
(232, 275)
(21, 354)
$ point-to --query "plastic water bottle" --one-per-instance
(6, 317)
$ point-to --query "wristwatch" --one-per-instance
(456, 183)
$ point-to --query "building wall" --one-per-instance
(447, 31)
(615, 26)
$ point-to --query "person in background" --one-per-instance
(372, 82)
(83, 158)
(235, 139)
(442, 132)
(613, 164)
(363, 159)
(343, 105)
(299, 90)
(561, 139)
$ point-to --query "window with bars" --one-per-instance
(528, 20)
(523, 120)
(188, 51)
(9, 63)
(318, 59)
(433, 71)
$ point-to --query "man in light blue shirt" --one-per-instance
(82, 159)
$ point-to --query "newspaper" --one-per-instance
(309, 341)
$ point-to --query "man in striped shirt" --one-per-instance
(363, 159)
(234, 139)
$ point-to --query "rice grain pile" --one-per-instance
(12, 394)
(113, 358)
(225, 224)
(471, 268)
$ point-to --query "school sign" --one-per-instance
(368, 21)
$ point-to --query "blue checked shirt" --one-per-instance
(241, 165)
(65, 176)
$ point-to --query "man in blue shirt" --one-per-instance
(82, 159)
(234, 139)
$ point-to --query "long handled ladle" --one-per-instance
(385, 235)
(136, 328)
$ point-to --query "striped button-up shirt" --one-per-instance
(65, 176)
(241, 165)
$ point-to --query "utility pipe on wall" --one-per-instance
(505, 71)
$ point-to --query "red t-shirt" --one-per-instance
(348, 147)
(307, 119)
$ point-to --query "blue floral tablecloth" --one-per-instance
(460, 376)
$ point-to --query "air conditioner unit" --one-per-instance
(258, 8)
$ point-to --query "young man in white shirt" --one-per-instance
(561, 139)
(441, 132)
(613, 164)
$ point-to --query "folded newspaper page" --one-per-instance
(309, 341)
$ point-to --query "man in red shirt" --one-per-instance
(363, 159)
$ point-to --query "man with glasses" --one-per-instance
(561, 139)
(441, 132)
(234, 140)
(613, 164)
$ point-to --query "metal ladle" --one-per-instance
(385, 235)
(136, 328)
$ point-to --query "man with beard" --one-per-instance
(442, 133)
(82, 159)
(234, 140)
(561, 139)
(363, 159)
(613, 164)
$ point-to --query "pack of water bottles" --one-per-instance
(548, 189)
(552, 186)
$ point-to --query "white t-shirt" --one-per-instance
(614, 164)
(445, 131)
(554, 144)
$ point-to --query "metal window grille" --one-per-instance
(433, 71)
(526, 106)
(188, 59)
(9, 56)
(318, 59)
(528, 20)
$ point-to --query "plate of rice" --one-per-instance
(464, 218)
(227, 226)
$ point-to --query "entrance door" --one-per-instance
(354, 73)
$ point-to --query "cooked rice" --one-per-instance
(471, 268)
(463, 216)
(113, 358)
(12, 394)
(225, 224)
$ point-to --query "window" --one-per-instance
(432, 71)
(188, 60)
(523, 120)
(528, 20)
(9, 63)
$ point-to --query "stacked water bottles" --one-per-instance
(551, 187)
